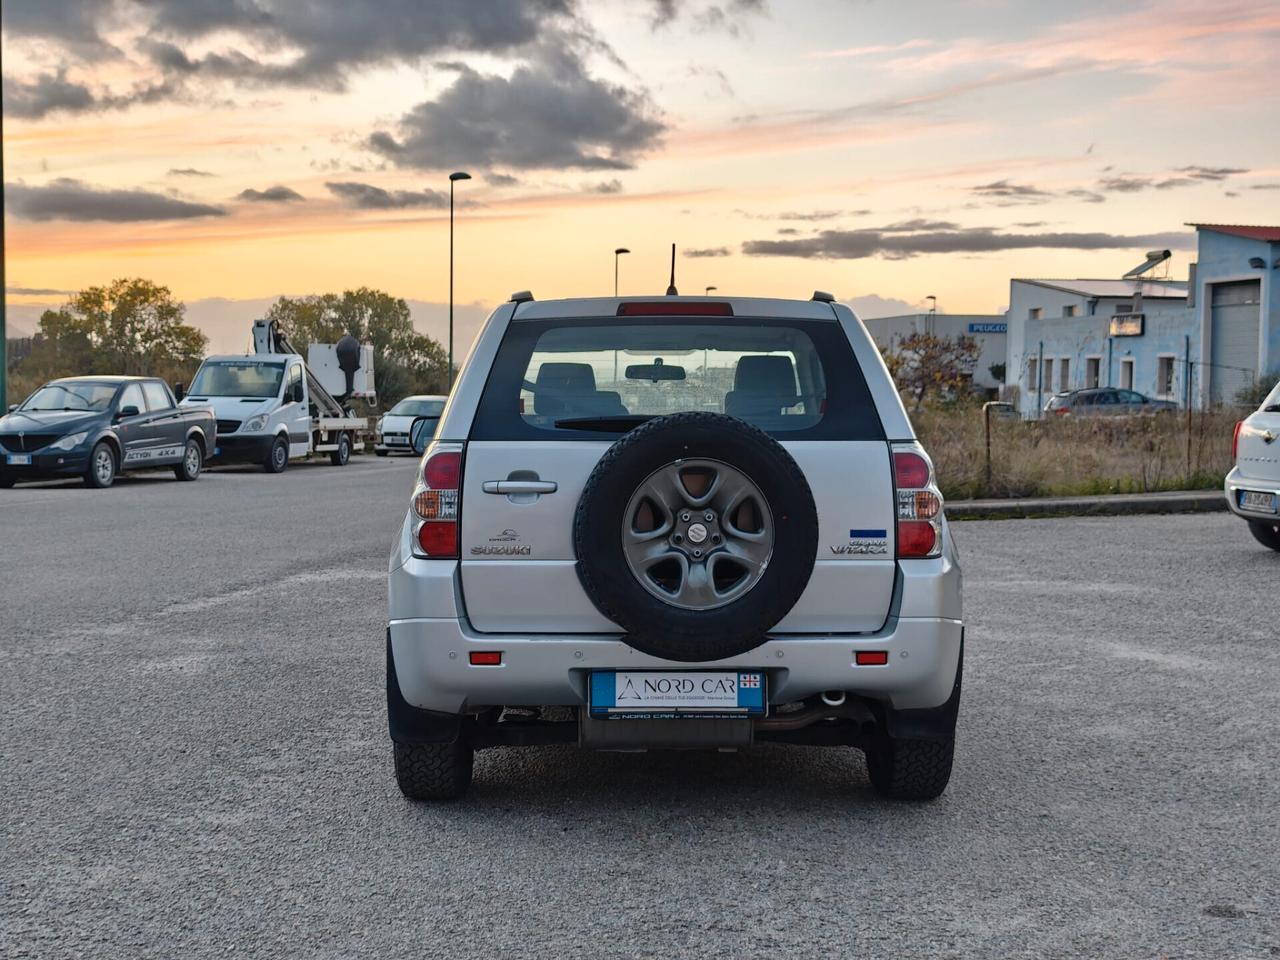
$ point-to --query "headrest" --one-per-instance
(566, 378)
(769, 375)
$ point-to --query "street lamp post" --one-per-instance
(453, 178)
(617, 253)
(933, 312)
(707, 292)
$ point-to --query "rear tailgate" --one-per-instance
(1257, 456)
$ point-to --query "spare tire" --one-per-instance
(696, 533)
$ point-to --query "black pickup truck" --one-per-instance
(95, 427)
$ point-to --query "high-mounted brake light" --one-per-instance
(1235, 439)
(436, 501)
(918, 502)
(674, 308)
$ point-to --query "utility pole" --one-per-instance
(453, 178)
(1186, 389)
(1040, 382)
(4, 295)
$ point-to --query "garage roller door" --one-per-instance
(1234, 354)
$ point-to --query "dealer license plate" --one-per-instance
(1256, 500)
(651, 693)
(19, 459)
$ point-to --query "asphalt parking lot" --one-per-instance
(195, 759)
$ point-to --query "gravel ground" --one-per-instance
(195, 761)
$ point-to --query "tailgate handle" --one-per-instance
(508, 487)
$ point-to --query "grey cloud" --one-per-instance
(1265, 186)
(188, 172)
(501, 180)
(276, 194)
(605, 187)
(37, 291)
(1088, 196)
(365, 196)
(858, 244)
(1124, 184)
(48, 93)
(699, 253)
(788, 231)
(813, 215)
(66, 199)
(706, 16)
(1016, 192)
(915, 226)
(549, 114)
(1210, 173)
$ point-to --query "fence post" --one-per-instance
(986, 430)
(1187, 378)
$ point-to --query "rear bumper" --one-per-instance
(249, 449)
(1237, 482)
(434, 670)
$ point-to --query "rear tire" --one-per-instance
(101, 472)
(434, 771)
(192, 462)
(911, 769)
(1267, 534)
(340, 456)
(278, 457)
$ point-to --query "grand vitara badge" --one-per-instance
(863, 542)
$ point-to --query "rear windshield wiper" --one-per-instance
(605, 424)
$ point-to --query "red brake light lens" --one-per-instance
(439, 538)
(674, 308)
(485, 658)
(442, 470)
(916, 538)
(871, 658)
(911, 471)
(1235, 439)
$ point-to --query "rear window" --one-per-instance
(594, 378)
(410, 407)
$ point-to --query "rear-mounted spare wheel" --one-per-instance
(696, 533)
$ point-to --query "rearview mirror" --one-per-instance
(420, 434)
(654, 372)
(179, 391)
(297, 393)
(13, 407)
(129, 411)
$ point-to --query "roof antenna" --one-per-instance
(671, 287)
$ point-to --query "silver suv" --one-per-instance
(675, 523)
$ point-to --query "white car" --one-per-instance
(679, 523)
(1253, 485)
(391, 435)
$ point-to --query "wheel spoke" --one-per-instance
(697, 590)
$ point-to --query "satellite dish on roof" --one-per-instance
(1154, 259)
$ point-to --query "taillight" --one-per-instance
(1235, 439)
(436, 502)
(918, 502)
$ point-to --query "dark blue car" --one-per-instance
(95, 427)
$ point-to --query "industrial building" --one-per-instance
(988, 330)
(1199, 340)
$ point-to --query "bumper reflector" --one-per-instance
(485, 658)
(871, 658)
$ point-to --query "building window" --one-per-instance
(1164, 376)
(1035, 313)
(1124, 308)
(1064, 375)
(1032, 366)
(1126, 373)
(1069, 310)
(1092, 372)
(1048, 373)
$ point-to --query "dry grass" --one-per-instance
(1064, 457)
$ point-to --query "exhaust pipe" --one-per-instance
(833, 698)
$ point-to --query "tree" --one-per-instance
(131, 326)
(923, 365)
(406, 361)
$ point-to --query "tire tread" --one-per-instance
(434, 771)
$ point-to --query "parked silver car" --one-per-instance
(1253, 485)
(674, 523)
(1106, 402)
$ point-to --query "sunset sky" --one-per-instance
(236, 150)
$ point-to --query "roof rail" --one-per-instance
(822, 297)
(522, 296)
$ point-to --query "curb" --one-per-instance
(1178, 501)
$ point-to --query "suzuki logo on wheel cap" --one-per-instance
(697, 533)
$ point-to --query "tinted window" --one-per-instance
(157, 396)
(81, 395)
(1128, 396)
(410, 407)
(1106, 398)
(795, 379)
(131, 396)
